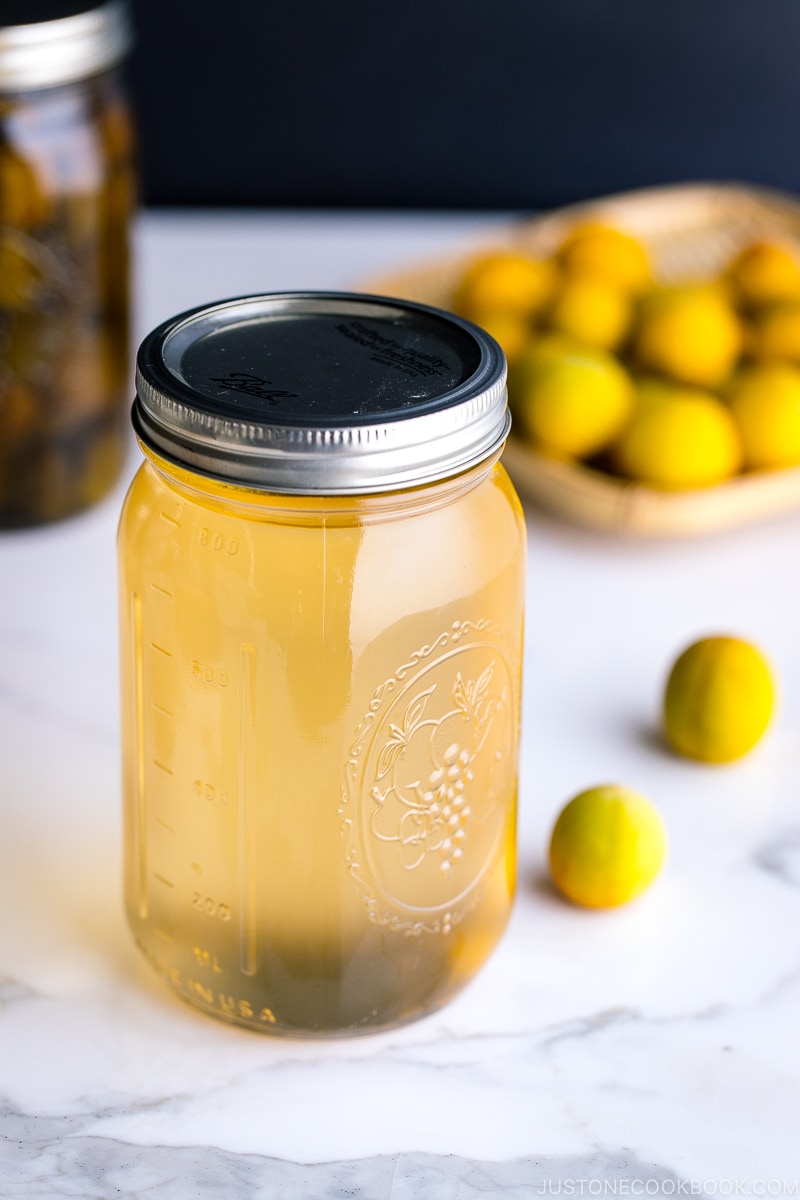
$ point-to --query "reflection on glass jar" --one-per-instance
(321, 592)
(67, 192)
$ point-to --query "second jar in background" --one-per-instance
(67, 191)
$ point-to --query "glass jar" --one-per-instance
(321, 595)
(66, 196)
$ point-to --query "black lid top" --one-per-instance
(321, 391)
(299, 364)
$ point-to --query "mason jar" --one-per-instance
(321, 599)
(67, 190)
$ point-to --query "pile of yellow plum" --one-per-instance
(676, 386)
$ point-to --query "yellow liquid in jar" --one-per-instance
(321, 718)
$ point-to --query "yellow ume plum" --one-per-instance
(690, 333)
(677, 437)
(719, 700)
(509, 330)
(595, 248)
(765, 403)
(569, 399)
(591, 310)
(504, 281)
(765, 272)
(607, 846)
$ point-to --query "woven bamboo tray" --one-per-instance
(691, 231)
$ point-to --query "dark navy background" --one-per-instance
(453, 104)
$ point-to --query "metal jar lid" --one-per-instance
(45, 43)
(321, 393)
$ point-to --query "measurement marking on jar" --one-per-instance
(170, 520)
(162, 591)
(161, 650)
(209, 673)
(160, 709)
(164, 825)
(139, 848)
(162, 767)
(211, 906)
(215, 540)
(165, 937)
(204, 958)
(207, 791)
(247, 799)
(163, 879)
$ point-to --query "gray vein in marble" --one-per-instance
(43, 1158)
(781, 857)
(470, 1050)
(548, 1036)
(584, 1026)
(597, 1022)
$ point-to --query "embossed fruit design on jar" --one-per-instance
(321, 590)
(434, 808)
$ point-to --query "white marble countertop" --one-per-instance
(654, 1050)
